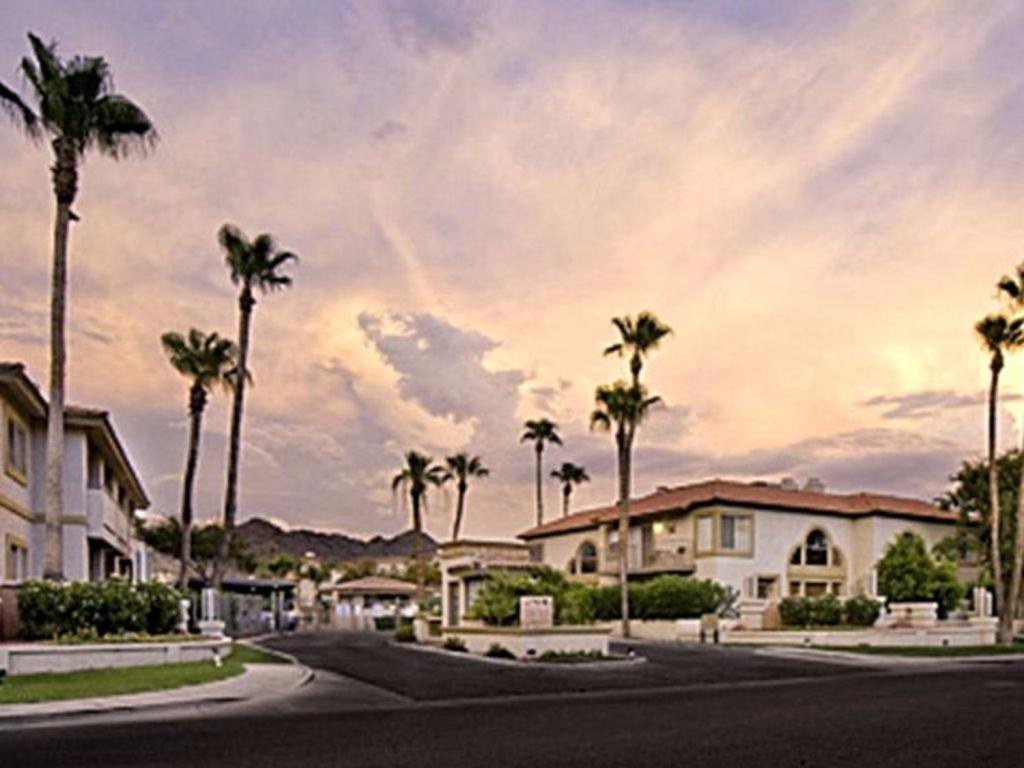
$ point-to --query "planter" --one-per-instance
(33, 658)
(916, 615)
(531, 643)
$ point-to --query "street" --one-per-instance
(377, 704)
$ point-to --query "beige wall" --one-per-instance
(15, 500)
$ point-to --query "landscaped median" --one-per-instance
(93, 683)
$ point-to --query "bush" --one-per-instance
(499, 651)
(606, 603)
(456, 644)
(825, 611)
(405, 634)
(48, 610)
(675, 597)
(907, 574)
(861, 611)
(795, 611)
(577, 606)
(384, 623)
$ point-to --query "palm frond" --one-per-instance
(12, 105)
(120, 128)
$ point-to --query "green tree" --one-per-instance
(640, 336)
(1013, 288)
(207, 360)
(999, 335)
(907, 574)
(416, 476)
(570, 475)
(460, 468)
(78, 111)
(253, 265)
(621, 408)
(540, 432)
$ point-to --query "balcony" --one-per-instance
(652, 560)
(106, 520)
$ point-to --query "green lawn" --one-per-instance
(931, 652)
(25, 689)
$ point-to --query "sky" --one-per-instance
(817, 197)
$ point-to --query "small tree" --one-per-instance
(907, 573)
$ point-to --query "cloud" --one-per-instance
(449, 25)
(920, 405)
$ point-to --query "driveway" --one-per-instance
(431, 676)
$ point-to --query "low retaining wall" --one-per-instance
(981, 632)
(530, 643)
(33, 658)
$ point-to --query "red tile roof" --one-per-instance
(762, 495)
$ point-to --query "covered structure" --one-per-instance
(369, 603)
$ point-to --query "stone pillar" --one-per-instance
(210, 624)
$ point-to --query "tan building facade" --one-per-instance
(101, 489)
(766, 541)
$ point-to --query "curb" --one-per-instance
(886, 660)
(589, 666)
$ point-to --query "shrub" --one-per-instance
(114, 607)
(499, 651)
(453, 643)
(795, 611)
(577, 606)
(675, 597)
(405, 634)
(384, 623)
(907, 573)
(497, 602)
(606, 603)
(825, 611)
(861, 611)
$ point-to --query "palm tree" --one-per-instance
(570, 475)
(254, 264)
(77, 110)
(998, 335)
(621, 408)
(417, 475)
(207, 360)
(461, 467)
(1013, 287)
(540, 432)
(639, 337)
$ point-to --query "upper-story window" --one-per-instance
(817, 550)
(108, 479)
(16, 450)
(725, 533)
(586, 557)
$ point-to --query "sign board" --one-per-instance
(536, 612)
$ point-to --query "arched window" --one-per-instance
(586, 558)
(816, 548)
(816, 567)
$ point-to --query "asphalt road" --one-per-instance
(700, 708)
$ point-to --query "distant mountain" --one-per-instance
(262, 538)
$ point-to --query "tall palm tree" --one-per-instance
(461, 467)
(1013, 287)
(999, 335)
(416, 476)
(640, 336)
(540, 432)
(207, 360)
(621, 408)
(253, 264)
(570, 476)
(78, 111)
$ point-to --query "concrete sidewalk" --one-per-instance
(259, 681)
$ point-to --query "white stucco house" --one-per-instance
(765, 540)
(101, 489)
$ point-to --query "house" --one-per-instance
(368, 603)
(765, 540)
(101, 489)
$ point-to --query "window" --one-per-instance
(767, 586)
(586, 556)
(705, 533)
(17, 449)
(16, 565)
(816, 548)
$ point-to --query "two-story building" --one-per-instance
(765, 540)
(101, 489)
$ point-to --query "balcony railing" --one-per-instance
(651, 561)
(106, 520)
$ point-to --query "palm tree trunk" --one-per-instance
(566, 493)
(245, 305)
(540, 481)
(196, 406)
(65, 186)
(460, 507)
(1005, 631)
(624, 491)
(417, 547)
(1010, 612)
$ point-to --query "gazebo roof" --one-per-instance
(372, 585)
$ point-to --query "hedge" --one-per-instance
(49, 610)
(664, 597)
(828, 611)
